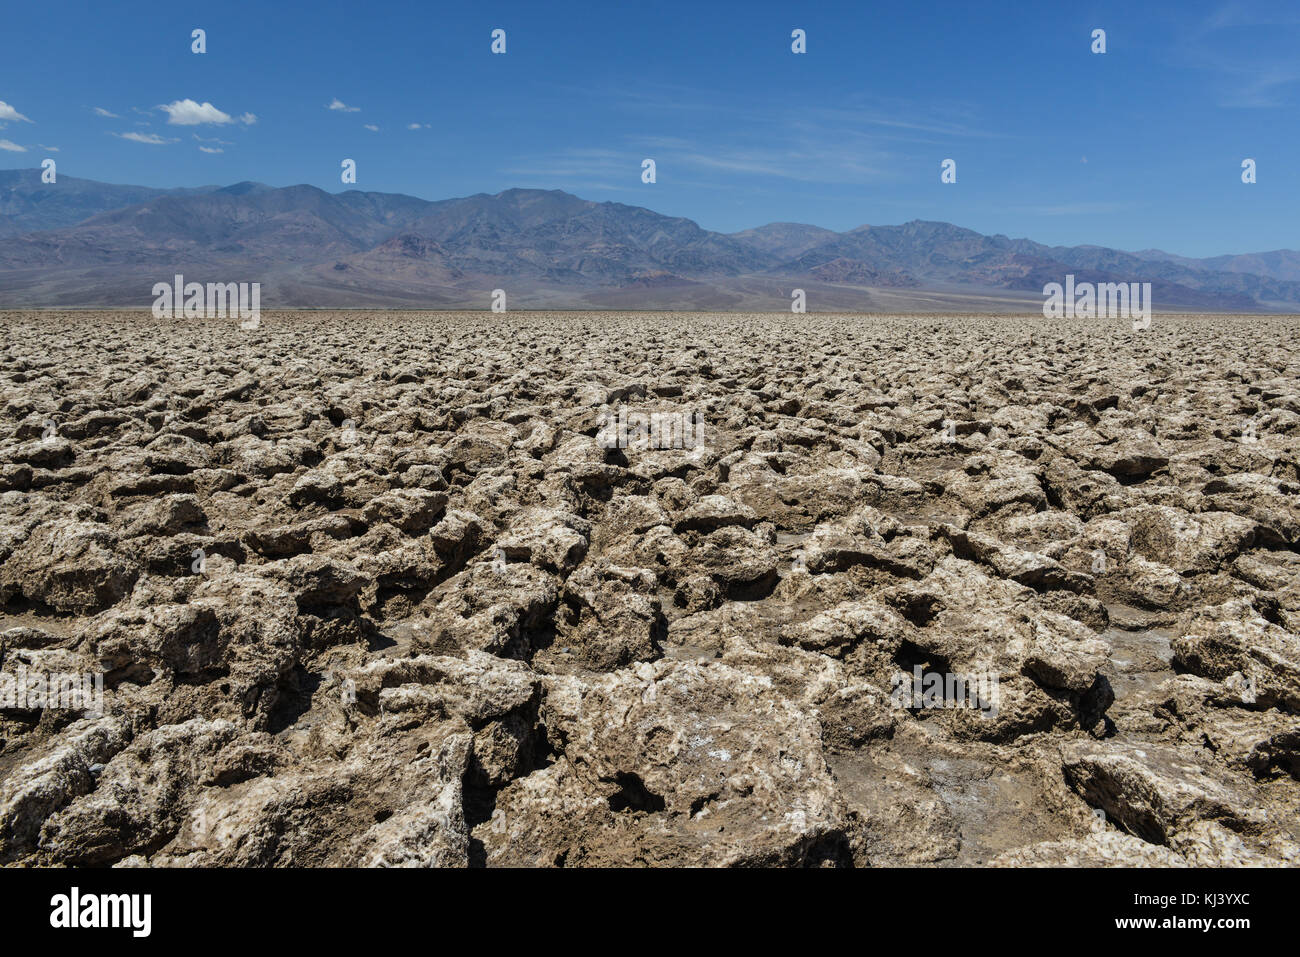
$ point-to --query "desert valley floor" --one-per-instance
(366, 589)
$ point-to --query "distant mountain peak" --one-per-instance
(98, 244)
(245, 188)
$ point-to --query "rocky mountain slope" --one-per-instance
(545, 247)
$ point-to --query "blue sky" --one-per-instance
(1135, 148)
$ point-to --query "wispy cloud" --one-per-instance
(1250, 49)
(418, 126)
(340, 106)
(805, 158)
(861, 140)
(805, 162)
(881, 115)
(153, 139)
(372, 127)
(211, 149)
(12, 147)
(8, 113)
(578, 162)
(100, 111)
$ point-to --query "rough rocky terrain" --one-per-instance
(366, 590)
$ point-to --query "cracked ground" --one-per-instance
(365, 589)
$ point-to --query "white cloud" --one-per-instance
(100, 111)
(52, 149)
(12, 147)
(338, 104)
(417, 126)
(7, 112)
(211, 149)
(153, 139)
(372, 127)
(190, 113)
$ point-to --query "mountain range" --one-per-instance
(81, 243)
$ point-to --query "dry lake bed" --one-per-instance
(439, 589)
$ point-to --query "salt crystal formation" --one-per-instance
(365, 589)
